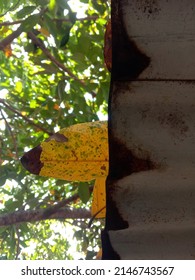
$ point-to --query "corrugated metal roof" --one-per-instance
(151, 182)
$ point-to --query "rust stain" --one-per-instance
(123, 161)
(121, 164)
(150, 8)
(114, 220)
(175, 122)
(128, 61)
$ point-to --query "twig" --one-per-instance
(10, 38)
(9, 107)
(8, 23)
(36, 41)
(78, 19)
(51, 57)
(16, 33)
(55, 61)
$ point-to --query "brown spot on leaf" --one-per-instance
(103, 167)
(31, 160)
(58, 137)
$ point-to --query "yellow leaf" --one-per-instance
(75, 153)
(99, 198)
(83, 157)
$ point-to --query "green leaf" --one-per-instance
(3, 179)
(90, 255)
(12, 205)
(2, 229)
(50, 69)
(72, 16)
(61, 89)
(30, 22)
(18, 86)
(78, 234)
(83, 191)
(50, 25)
(84, 1)
(84, 43)
(65, 38)
(41, 3)
(52, 4)
(25, 11)
(63, 4)
(3, 257)
(98, 6)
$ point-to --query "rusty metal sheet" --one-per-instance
(151, 182)
(164, 30)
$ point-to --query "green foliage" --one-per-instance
(52, 75)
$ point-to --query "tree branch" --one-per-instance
(52, 209)
(61, 210)
(78, 19)
(6, 41)
(36, 41)
(8, 23)
(9, 107)
(10, 38)
(39, 214)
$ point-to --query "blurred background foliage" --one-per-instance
(52, 75)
